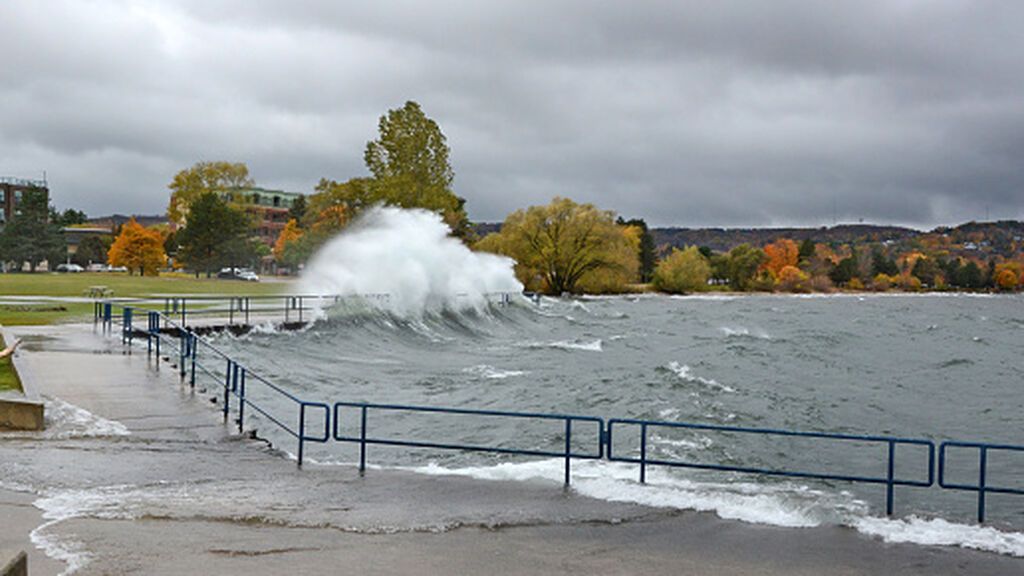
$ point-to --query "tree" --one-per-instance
(290, 234)
(792, 279)
(92, 250)
(298, 210)
(845, 271)
(203, 177)
(926, 271)
(781, 253)
(744, 261)
(30, 236)
(410, 167)
(558, 245)
(69, 217)
(807, 250)
(216, 235)
(683, 271)
(138, 248)
(1006, 279)
(645, 249)
(881, 264)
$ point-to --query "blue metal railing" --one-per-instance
(237, 382)
(567, 452)
(982, 487)
(187, 344)
(890, 479)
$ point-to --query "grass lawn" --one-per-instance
(8, 377)
(122, 285)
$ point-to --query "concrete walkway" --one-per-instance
(138, 474)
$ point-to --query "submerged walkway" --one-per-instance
(139, 475)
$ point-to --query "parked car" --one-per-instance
(238, 274)
(70, 268)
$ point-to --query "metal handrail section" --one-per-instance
(982, 487)
(187, 344)
(890, 479)
(567, 452)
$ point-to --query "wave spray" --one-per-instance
(408, 255)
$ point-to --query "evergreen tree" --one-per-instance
(216, 236)
(30, 236)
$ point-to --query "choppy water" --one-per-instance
(934, 367)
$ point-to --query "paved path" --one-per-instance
(151, 481)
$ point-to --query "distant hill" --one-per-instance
(118, 219)
(725, 239)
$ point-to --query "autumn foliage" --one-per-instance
(138, 248)
(780, 254)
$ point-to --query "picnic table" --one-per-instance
(98, 292)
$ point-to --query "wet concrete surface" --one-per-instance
(152, 481)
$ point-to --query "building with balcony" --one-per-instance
(268, 209)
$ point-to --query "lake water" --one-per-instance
(934, 367)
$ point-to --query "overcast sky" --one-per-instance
(691, 113)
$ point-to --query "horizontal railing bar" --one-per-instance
(975, 487)
(769, 431)
(473, 412)
(467, 447)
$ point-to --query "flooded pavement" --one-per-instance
(138, 474)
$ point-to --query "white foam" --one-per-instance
(65, 420)
(938, 532)
(410, 256)
(492, 373)
(743, 331)
(778, 504)
(683, 372)
(591, 346)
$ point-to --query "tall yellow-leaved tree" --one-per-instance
(138, 248)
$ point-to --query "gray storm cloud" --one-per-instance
(696, 113)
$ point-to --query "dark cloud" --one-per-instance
(691, 113)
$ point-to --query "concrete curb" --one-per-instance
(23, 411)
(18, 566)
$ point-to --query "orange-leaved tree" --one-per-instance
(781, 253)
(290, 233)
(138, 248)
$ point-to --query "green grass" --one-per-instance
(8, 377)
(122, 285)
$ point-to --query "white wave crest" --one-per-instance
(743, 331)
(492, 373)
(410, 256)
(683, 372)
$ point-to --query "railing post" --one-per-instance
(568, 448)
(193, 350)
(300, 308)
(889, 484)
(286, 309)
(183, 317)
(182, 353)
(227, 389)
(643, 453)
(246, 310)
(302, 429)
(362, 441)
(982, 464)
(241, 402)
(231, 311)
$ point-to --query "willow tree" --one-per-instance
(556, 246)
